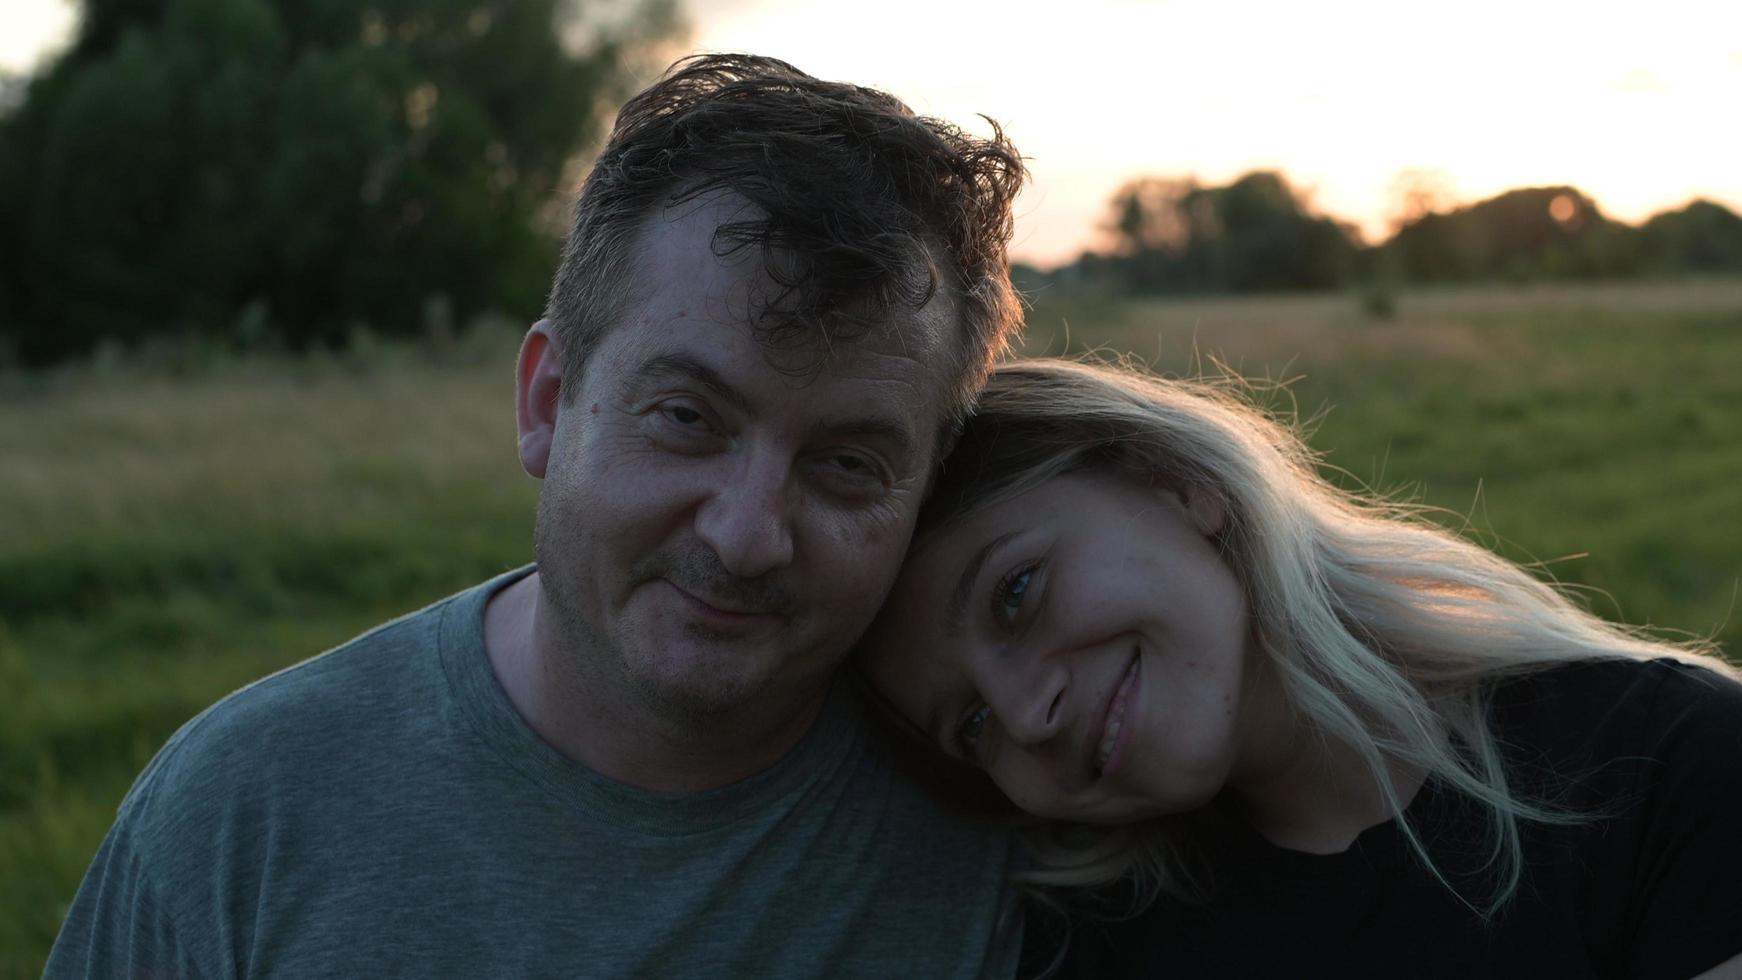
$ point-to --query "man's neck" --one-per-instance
(612, 731)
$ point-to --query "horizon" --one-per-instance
(1354, 94)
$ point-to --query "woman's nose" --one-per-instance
(1029, 700)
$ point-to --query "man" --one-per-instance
(777, 298)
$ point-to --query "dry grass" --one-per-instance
(270, 442)
(1444, 325)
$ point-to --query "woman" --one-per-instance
(1333, 738)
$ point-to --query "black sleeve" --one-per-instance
(1686, 885)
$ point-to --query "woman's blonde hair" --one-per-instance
(1384, 629)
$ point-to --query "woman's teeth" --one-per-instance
(1115, 718)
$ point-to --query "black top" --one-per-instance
(1649, 887)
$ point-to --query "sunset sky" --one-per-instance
(1636, 105)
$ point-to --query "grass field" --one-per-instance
(166, 536)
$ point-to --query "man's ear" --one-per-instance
(1205, 508)
(538, 387)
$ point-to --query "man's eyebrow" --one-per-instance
(881, 427)
(958, 603)
(685, 366)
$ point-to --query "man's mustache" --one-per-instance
(698, 571)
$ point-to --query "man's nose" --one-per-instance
(746, 519)
(1027, 696)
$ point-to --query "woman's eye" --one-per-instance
(969, 730)
(1008, 594)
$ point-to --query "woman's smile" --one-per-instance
(1124, 703)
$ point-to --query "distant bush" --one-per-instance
(229, 168)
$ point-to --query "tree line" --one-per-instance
(281, 171)
(1257, 233)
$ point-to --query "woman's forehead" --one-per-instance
(980, 522)
(1021, 505)
(911, 654)
(905, 659)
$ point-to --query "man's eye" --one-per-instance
(682, 414)
(684, 425)
(1008, 594)
(852, 475)
(969, 730)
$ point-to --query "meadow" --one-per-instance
(171, 532)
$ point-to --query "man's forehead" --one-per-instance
(907, 354)
(688, 294)
(752, 285)
(914, 343)
(910, 348)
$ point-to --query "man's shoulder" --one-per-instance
(290, 726)
(251, 811)
(330, 686)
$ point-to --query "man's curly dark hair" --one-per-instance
(862, 210)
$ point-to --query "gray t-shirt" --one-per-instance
(383, 810)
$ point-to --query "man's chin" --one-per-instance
(703, 699)
(703, 679)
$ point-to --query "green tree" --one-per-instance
(1701, 237)
(319, 161)
(1529, 233)
(1255, 234)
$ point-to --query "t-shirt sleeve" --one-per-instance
(1687, 882)
(117, 925)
